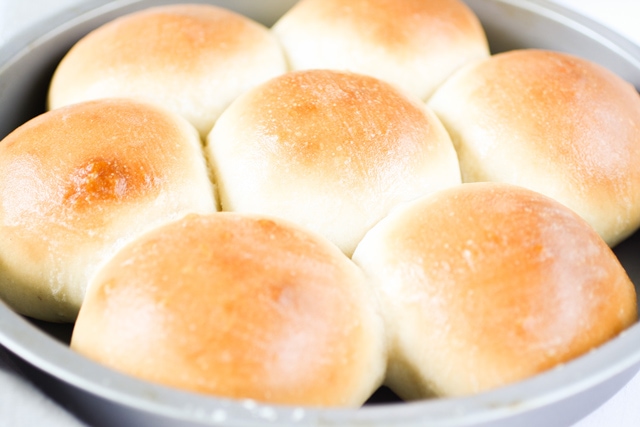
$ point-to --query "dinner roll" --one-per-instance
(240, 307)
(78, 182)
(485, 284)
(192, 59)
(554, 123)
(328, 150)
(414, 44)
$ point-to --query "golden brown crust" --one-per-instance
(414, 44)
(554, 123)
(78, 180)
(486, 284)
(405, 26)
(236, 306)
(322, 118)
(192, 59)
(329, 150)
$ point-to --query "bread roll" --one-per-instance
(240, 307)
(414, 44)
(554, 123)
(330, 151)
(485, 284)
(78, 182)
(192, 59)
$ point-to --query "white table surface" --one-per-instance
(21, 404)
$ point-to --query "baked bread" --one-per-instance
(413, 44)
(554, 123)
(76, 183)
(485, 284)
(237, 306)
(328, 150)
(192, 59)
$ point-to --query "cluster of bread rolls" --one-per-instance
(290, 214)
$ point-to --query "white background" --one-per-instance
(21, 405)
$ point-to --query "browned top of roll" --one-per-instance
(193, 59)
(196, 30)
(324, 118)
(236, 306)
(78, 158)
(488, 283)
(414, 44)
(537, 95)
(405, 25)
(552, 122)
(76, 182)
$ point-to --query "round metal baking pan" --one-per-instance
(103, 397)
